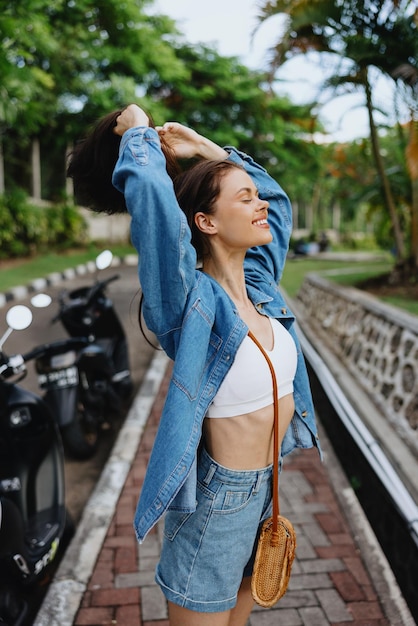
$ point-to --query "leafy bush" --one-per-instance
(26, 229)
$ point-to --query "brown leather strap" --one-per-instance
(276, 450)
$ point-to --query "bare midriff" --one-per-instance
(246, 441)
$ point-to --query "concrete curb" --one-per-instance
(20, 292)
(65, 593)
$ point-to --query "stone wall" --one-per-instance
(376, 342)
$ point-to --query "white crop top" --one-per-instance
(248, 385)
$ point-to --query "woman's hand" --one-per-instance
(130, 117)
(186, 143)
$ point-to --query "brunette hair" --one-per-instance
(93, 160)
(197, 190)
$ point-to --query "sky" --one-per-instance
(229, 25)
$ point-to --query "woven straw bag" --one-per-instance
(277, 542)
(273, 561)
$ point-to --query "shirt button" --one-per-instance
(228, 356)
(304, 413)
(284, 311)
(259, 306)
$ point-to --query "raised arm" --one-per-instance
(159, 229)
(186, 143)
(130, 117)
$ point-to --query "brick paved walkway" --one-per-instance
(330, 583)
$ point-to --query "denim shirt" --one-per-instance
(195, 320)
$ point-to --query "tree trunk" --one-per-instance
(69, 187)
(414, 225)
(309, 218)
(336, 217)
(387, 193)
(36, 169)
(412, 164)
(316, 223)
(295, 214)
(2, 186)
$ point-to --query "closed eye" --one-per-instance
(248, 193)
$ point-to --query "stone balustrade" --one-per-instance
(377, 343)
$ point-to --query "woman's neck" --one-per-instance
(231, 277)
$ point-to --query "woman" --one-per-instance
(210, 468)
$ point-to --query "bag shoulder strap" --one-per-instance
(276, 450)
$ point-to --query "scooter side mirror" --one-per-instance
(19, 317)
(41, 300)
(104, 260)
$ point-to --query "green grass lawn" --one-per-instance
(342, 273)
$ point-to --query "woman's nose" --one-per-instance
(264, 204)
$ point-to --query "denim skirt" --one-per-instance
(206, 554)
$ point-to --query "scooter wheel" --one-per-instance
(80, 439)
(13, 608)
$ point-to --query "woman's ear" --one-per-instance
(204, 223)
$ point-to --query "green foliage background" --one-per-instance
(65, 64)
(26, 228)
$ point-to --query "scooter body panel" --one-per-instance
(99, 320)
(32, 494)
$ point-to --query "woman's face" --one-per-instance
(240, 217)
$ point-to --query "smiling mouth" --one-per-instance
(262, 222)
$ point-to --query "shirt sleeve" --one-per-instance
(159, 229)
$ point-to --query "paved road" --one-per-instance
(81, 476)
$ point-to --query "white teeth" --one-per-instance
(259, 222)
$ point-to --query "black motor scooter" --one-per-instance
(33, 520)
(86, 387)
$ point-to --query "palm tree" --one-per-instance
(362, 34)
(405, 72)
